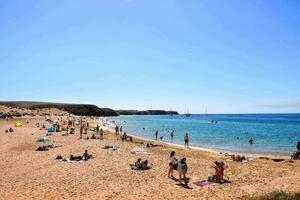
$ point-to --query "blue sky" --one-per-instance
(227, 56)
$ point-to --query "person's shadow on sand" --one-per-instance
(185, 186)
(224, 181)
(176, 179)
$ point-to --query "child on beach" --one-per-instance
(182, 170)
(172, 164)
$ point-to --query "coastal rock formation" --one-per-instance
(146, 112)
(76, 109)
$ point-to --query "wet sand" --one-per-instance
(29, 174)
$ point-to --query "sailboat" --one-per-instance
(171, 112)
(187, 114)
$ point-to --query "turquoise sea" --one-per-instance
(272, 133)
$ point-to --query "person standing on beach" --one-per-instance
(182, 169)
(81, 127)
(97, 128)
(121, 129)
(172, 164)
(81, 130)
(117, 130)
(172, 134)
(156, 134)
(186, 140)
(101, 134)
(298, 147)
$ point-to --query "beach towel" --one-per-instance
(202, 183)
(247, 160)
(107, 147)
(135, 168)
(138, 150)
(72, 161)
(51, 129)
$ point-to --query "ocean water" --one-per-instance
(275, 134)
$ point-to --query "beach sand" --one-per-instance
(29, 174)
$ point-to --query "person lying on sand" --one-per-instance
(219, 174)
(172, 164)
(182, 169)
(75, 158)
(145, 165)
(237, 158)
(140, 165)
(42, 148)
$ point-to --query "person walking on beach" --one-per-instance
(186, 140)
(172, 134)
(121, 129)
(172, 164)
(156, 134)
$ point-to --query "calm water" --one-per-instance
(272, 133)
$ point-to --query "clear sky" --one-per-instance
(228, 56)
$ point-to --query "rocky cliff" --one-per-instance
(76, 109)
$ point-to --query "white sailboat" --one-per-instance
(171, 114)
(187, 114)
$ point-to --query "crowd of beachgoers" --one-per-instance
(83, 141)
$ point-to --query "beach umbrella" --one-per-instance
(18, 124)
(43, 139)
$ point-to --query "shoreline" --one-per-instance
(202, 149)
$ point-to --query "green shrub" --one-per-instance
(277, 195)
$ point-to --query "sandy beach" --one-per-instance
(30, 174)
